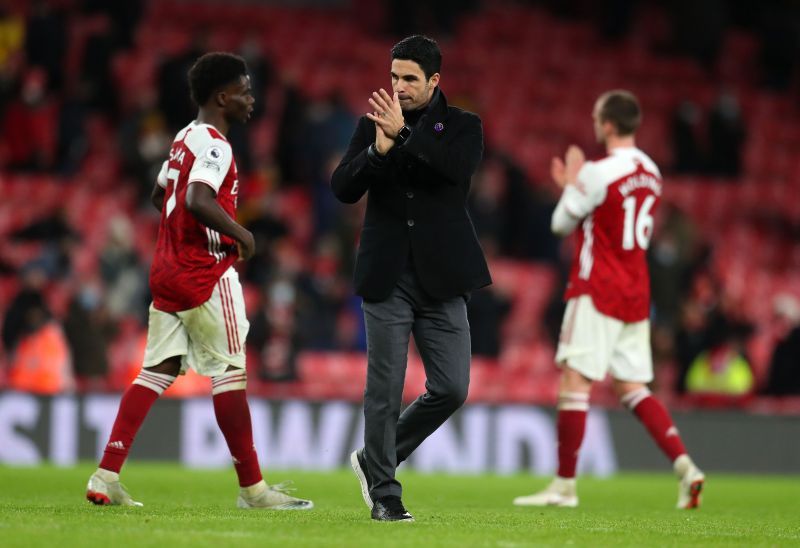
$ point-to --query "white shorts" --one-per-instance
(208, 338)
(593, 344)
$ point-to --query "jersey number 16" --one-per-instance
(638, 226)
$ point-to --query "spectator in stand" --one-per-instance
(505, 209)
(89, 329)
(12, 58)
(10, 71)
(686, 150)
(726, 135)
(59, 240)
(95, 64)
(326, 134)
(28, 310)
(784, 367)
(486, 201)
(152, 144)
(32, 119)
(12, 38)
(39, 358)
(123, 273)
(289, 133)
(268, 230)
(351, 333)
(529, 208)
(672, 255)
(46, 40)
(41, 363)
(321, 293)
(142, 136)
(273, 331)
(348, 232)
(720, 371)
(486, 312)
(273, 334)
(124, 17)
(73, 139)
(690, 339)
(722, 368)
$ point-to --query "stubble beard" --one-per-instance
(423, 94)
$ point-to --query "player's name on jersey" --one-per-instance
(640, 180)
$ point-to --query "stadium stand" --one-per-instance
(533, 76)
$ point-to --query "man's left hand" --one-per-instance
(389, 114)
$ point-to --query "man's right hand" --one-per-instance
(565, 171)
(382, 143)
(246, 245)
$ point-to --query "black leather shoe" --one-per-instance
(359, 464)
(390, 508)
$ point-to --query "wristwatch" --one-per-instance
(402, 135)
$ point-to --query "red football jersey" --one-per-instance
(615, 197)
(190, 258)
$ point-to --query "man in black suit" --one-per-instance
(418, 260)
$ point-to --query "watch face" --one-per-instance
(404, 132)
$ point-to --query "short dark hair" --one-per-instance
(213, 71)
(621, 108)
(422, 50)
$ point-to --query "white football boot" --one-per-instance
(690, 483)
(104, 488)
(561, 492)
(271, 497)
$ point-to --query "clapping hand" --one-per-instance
(388, 118)
(565, 171)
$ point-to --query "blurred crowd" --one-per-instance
(63, 113)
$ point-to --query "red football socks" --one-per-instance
(656, 419)
(233, 417)
(571, 425)
(133, 408)
(658, 422)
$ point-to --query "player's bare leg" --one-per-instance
(233, 418)
(573, 405)
(104, 486)
(657, 421)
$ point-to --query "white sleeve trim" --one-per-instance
(564, 219)
(161, 180)
(205, 182)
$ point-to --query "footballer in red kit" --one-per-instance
(197, 319)
(190, 257)
(609, 204)
(610, 264)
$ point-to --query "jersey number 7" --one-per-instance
(172, 177)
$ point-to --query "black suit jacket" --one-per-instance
(416, 204)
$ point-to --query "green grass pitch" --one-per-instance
(44, 506)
